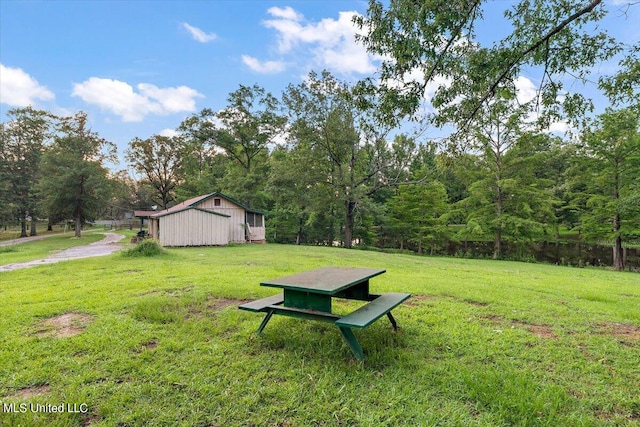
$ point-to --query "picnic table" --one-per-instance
(309, 295)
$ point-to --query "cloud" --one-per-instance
(121, 99)
(19, 89)
(287, 13)
(198, 34)
(266, 67)
(170, 133)
(329, 43)
(525, 90)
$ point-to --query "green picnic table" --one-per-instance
(308, 295)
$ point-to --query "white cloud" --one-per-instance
(525, 90)
(266, 67)
(559, 127)
(170, 133)
(19, 89)
(120, 98)
(198, 34)
(287, 13)
(331, 42)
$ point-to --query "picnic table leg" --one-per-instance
(353, 342)
(265, 321)
(393, 321)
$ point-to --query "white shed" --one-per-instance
(212, 219)
(192, 227)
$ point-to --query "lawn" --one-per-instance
(160, 341)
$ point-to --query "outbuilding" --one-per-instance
(209, 220)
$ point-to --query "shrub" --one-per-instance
(146, 248)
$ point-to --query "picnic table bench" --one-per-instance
(308, 295)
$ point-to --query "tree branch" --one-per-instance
(532, 48)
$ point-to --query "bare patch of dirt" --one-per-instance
(622, 331)
(148, 345)
(417, 299)
(222, 303)
(477, 303)
(90, 419)
(64, 325)
(27, 392)
(542, 331)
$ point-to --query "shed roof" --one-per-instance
(192, 203)
(235, 202)
(144, 214)
(186, 208)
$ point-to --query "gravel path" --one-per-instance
(26, 239)
(105, 246)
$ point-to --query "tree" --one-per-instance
(436, 44)
(123, 195)
(203, 164)
(74, 182)
(419, 212)
(353, 157)
(159, 160)
(608, 167)
(23, 140)
(509, 198)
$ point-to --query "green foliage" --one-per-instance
(74, 182)
(427, 43)
(159, 160)
(146, 248)
(605, 178)
(23, 140)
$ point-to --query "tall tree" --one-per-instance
(203, 164)
(355, 157)
(243, 130)
(74, 180)
(159, 160)
(508, 199)
(419, 213)
(608, 167)
(23, 140)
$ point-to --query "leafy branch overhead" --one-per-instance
(438, 45)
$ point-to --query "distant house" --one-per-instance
(210, 220)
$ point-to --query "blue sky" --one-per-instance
(139, 68)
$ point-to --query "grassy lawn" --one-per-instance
(160, 341)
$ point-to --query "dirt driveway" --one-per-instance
(106, 246)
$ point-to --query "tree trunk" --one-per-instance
(497, 245)
(348, 224)
(23, 224)
(497, 248)
(33, 227)
(78, 225)
(299, 233)
(618, 256)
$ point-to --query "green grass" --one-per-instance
(23, 252)
(482, 343)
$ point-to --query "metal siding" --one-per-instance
(194, 228)
(235, 223)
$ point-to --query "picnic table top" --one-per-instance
(326, 280)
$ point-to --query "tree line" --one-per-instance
(330, 161)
